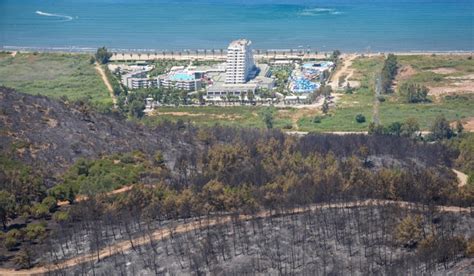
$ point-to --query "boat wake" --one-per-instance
(319, 11)
(62, 16)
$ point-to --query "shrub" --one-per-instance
(287, 126)
(40, 210)
(409, 231)
(317, 119)
(50, 202)
(102, 55)
(414, 93)
(441, 129)
(10, 243)
(360, 118)
(34, 231)
(61, 216)
(24, 259)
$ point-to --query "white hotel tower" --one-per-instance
(240, 62)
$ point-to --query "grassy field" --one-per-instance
(53, 75)
(236, 116)
(454, 106)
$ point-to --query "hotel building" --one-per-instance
(240, 63)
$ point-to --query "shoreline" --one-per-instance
(219, 52)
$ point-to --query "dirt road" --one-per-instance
(344, 70)
(462, 177)
(106, 81)
(190, 226)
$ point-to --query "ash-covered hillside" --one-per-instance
(51, 135)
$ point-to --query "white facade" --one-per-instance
(240, 63)
(187, 85)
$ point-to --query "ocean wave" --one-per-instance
(65, 17)
(319, 11)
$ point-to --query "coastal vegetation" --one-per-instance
(389, 71)
(54, 75)
(408, 101)
(102, 55)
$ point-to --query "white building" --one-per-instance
(181, 80)
(139, 79)
(240, 63)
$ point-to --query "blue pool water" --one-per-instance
(181, 77)
(354, 25)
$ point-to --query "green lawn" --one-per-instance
(342, 118)
(54, 75)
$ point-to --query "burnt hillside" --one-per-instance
(51, 135)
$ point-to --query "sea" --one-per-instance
(316, 25)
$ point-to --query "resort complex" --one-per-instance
(237, 78)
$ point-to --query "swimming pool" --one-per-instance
(182, 77)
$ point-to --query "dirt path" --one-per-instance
(345, 70)
(161, 234)
(80, 198)
(462, 178)
(106, 82)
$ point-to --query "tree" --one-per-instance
(213, 195)
(102, 56)
(137, 108)
(348, 89)
(24, 259)
(375, 129)
(389, 71)
(325, 106)
(250, 96)
(35, 231)
(7, 207)
(335, 56)
(441, 129)
(267, 117)
(360, 118)
(410, 127)
(394, 128)
(10, 242)
(459, 127)
(40, 210)
(11, 239)
(325, 90)
(409, 231)
(50, 202)
(413, 93)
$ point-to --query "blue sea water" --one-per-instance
(350, 25)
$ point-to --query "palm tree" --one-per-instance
(242, 97)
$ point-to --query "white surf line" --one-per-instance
(66, 17)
